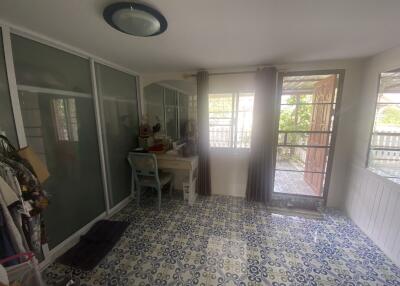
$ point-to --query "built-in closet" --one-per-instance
(81, 116)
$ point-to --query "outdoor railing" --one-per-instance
(385, 147)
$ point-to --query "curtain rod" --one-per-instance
(222, 73)
(231, 73)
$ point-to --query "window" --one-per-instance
(230, 119)
(65, 119)
(384, 149)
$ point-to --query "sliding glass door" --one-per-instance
(120, 126)
(7, 126)
(305, 133)
(57, 107)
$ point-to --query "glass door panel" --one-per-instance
(40, 65)
(304, 135)
(62, 131)
(120, 121)
(59, 120)
(7, 126)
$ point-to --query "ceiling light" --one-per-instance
(135, 19)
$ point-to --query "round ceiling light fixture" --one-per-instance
(135, 19)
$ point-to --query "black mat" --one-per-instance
(94, 245)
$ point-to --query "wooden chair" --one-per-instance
(145, 174)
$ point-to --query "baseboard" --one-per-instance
(120, 206)
(60, 249)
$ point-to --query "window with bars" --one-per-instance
(384, 149)
(230, 119)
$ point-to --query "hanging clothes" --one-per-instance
(15, 235)
(8, 175)
(10, 197)
(22, 201)
(20, 209)
(26, 214)
(6, 246)
(29, 184)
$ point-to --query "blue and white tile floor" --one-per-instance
(228, 241)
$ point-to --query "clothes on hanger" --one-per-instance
(14, 233)
(30, 186)
(6, 247)
(9, 196)
(22, 200)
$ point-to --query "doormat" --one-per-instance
(94, 245)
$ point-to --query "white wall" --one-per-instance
(229, 172)
(229, 167)
(373, 202)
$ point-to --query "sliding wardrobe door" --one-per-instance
(120, 124)
(59, 119)
(7, 126)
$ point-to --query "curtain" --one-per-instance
(204, 178)
(260, 172)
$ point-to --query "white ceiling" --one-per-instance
(220, 33)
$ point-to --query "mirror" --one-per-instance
(169, 112)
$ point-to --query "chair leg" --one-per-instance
(133, 185)
(171, 187)
(138, 190)
(159, 197)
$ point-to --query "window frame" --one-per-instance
(372, 127)
(235, 95)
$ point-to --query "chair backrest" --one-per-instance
(144, 165)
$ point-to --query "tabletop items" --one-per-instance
(151, 140)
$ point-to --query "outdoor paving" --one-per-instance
(291, 182)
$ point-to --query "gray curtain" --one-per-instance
(204, 178)
(260, 172)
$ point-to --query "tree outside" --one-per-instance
(390, 115)
(295, 117)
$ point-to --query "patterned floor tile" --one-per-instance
(229, 241)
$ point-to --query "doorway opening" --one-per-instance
(308, 108)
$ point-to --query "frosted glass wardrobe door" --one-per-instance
(7, 126)
(120, 120)
(59, 120)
